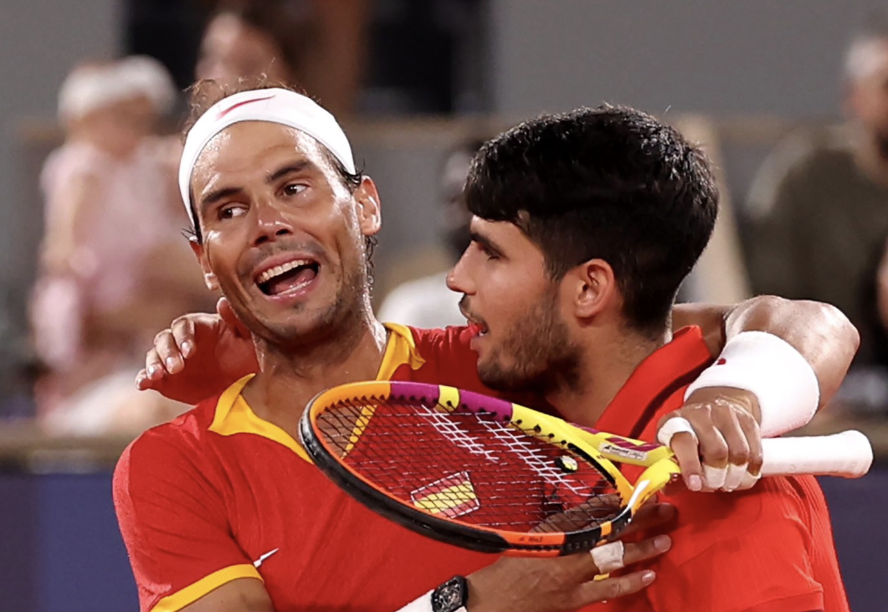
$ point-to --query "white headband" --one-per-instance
(272, 105)
(91, 88)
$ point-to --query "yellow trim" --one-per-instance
(194, 591)
(360, 426)
(401, 349)
(234, 415)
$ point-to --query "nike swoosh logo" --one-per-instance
(262, 559)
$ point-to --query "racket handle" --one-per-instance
(847, 454)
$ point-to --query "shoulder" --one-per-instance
(724, 548)
(444, 345)
(803, 158)
(805, 148)
(736, 527)
(165, 455)
(445, 357)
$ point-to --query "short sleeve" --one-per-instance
(746, 553)
(174, 523)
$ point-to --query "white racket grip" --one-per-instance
(848, 454)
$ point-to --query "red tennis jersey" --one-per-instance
(219, 494)
(769, 549)
(210, 496)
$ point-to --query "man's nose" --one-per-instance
(271, 223)
(457, 279)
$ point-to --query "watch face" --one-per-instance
(450, 596)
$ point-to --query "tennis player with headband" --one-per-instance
(219, 500)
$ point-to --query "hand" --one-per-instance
(562, 584)
(727, 452)
(199, 356)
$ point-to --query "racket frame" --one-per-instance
(475, 537)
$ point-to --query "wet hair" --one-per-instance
(207, 92)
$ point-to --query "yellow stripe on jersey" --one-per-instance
(400, 350)
(194, 591)
(234, 415)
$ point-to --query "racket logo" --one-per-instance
(623, 451)
(450, 497)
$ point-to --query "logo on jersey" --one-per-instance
(450, 497)
(262, 558)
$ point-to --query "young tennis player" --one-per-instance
(219, 508)
(585, 225)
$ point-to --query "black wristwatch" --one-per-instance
(452, 596)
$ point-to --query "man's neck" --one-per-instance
(607, 362)
(287, 380)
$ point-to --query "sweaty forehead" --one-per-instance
(250, 146)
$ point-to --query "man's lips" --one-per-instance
(270, 273)
(288, 275)
(268, 268)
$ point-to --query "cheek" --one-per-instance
(222, 254)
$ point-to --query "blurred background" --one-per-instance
(790, 99)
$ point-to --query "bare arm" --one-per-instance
(242, 595)
(820, 332)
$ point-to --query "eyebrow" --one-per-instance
(293, 168)
(225, 192)
(486, 242)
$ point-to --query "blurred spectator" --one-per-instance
(112, 268)
(819, 205)
(427, 302)
(318, 45)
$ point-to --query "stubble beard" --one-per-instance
(536, 356)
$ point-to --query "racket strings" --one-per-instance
(467, 466)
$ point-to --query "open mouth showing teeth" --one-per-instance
(287, 277)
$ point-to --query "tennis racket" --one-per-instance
(492, 476)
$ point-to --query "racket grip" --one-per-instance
(848, 454)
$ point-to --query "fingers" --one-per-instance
(616, 555)
(754, 439)
(168, 354)
(726, 454)
(183, 335)
(611, 588)
(687, 453)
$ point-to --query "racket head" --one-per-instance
(467, 469)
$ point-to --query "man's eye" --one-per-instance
(484, 250)
(231, 211)
(293, 188)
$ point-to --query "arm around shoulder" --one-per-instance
(819, 332)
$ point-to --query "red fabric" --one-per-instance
(764, 550)
(191, 502)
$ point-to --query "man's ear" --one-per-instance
(369, 210)
(593, 288)
(210, 279)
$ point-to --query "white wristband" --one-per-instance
(771, 369)
(420, 604)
